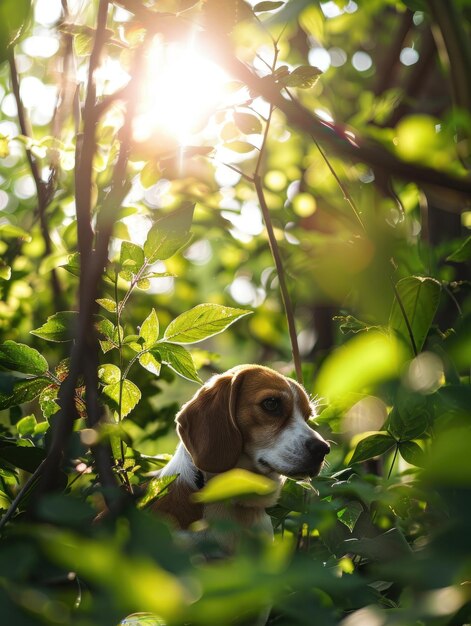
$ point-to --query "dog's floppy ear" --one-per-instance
(207, 424)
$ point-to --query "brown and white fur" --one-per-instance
(250, 417)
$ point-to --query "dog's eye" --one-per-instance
(272, 405)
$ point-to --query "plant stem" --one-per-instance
(44, 191)
(393, 461)
(274, 248)
(14, 505)
(406, 319)
(275, 251)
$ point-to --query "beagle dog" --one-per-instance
(250, 417)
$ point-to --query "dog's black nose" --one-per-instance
(317, 448)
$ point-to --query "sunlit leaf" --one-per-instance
(201, 322)
(108, 304)
(59, 327)
(267, 6)
(150, 363)
(128, 393)
(419, 298)
(5, 271)
(248, 123)
(149, 330)
(157, 488)
(83, 44)
(169, 234)
(236, 483)
(150, 174)
(26, 425)
(303, 77)
(143, 283)
(21, 358)
(9, 231)
(161, 245)
(131, 256)
(177, 358)
(363, 362)
(4, 147)
(239, 146)
(48, 400)
(22, 391)
(371, 446)
(109, 374)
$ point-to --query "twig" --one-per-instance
(275, 251)
(86, 146)
(358, 149)
(44, 191)
(281, 277)
(19, 496)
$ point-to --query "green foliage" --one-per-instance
(130, 245)
(236, 483)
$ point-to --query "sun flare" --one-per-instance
(182, 89)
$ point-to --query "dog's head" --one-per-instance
(252, 411)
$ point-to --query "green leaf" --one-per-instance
(409, 417)
(150, 329)
(21, 358)
(22, 391)
(5, 271)
(201, 322)
(59, 327)
(412, 453)
(26, 425)
(4, 147)
(177, 358)
(351, 324)
(363, 362)
(170, 233)
(83, 44)
(389, 546)
(303, 77)
(156, 489)
(143, 284)
(9, 231)
(73, 264)
(108, 304)
(247, 123)
(267, 6)
(150, 174)
(242, 147)
(372, 446)
(350, 514)
(161, 245)
(109, 374)
(47, 400)
(131, 256)
(419, 298)
(236, 483)
(150, 363)
(25, 458)
(462, 254)
(129, 398)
